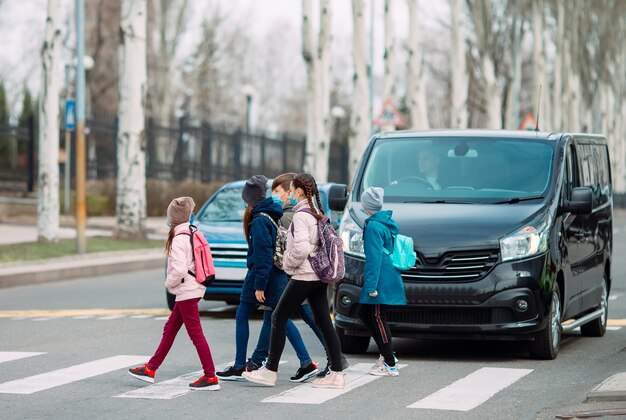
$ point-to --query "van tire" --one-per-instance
(351, 344)
(545, 346)
(597, 327)
(171, 300)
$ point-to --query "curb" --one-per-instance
(89, 265)
(611, 389)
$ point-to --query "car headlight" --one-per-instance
(526, 242)
(351, 235)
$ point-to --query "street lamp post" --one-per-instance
(81, 166)
(248, 91)
(338, 113)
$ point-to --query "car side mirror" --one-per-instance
(581, 202)
(337, 197)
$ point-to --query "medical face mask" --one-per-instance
(277, 200)
(292, 200)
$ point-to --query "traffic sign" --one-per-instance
(389, 116)
(70, 114)
(528, 123)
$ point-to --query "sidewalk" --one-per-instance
(23, 229)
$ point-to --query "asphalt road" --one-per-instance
(65, 348)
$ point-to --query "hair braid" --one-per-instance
(319, 203)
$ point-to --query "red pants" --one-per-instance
(184, 312)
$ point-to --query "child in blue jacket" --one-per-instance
(382, 284)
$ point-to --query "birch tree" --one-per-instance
(515, 71)
(316, 56)
(541, 89)
(481, 11)
(131, 181)
(460, 78)
(389, 55)
(48, 194)
(359, 118)
(557, 122)
(416, 83)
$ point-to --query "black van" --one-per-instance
(512, 232)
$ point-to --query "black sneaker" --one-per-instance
(231, 373)
(250, 366)
(305, 373)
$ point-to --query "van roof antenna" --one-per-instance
(538, 108)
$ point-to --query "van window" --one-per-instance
(594, 170)
(226, 206)
(475, 170)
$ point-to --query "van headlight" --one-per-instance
(526, 242)
(352, 236)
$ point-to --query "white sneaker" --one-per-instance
(381, 361)
(335, 380)
(384, 370)
(262, 376)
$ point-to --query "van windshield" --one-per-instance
(226, 206)
(460, 170)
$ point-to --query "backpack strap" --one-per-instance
(269, 217)
(190, 233)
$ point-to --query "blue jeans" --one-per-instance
(242, 333)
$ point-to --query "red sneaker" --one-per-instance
(142, 373)
(206, 383)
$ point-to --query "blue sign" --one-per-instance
(70, 114)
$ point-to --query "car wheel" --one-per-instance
(546, 343)
(171, 299)
(351, 344)
(597, 327)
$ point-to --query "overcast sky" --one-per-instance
(22, 27)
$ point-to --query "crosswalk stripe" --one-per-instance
(65, 376)
(473, 390)
(111, 317)
(613, 328)
(356, 376)
(141, 316)
(7, 356)
(165, 390)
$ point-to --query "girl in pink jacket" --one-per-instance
(188, 291)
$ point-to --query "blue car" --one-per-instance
(220, 219)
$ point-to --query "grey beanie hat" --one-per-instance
(255, 190)
(179, 210)
(372, 199)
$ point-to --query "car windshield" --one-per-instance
(226, 206)
(460, 170)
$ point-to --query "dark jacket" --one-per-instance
(379, 273)
(262, 275)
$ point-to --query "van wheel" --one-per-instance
(597, 327)
(171, 300)
(546, 343)
(351, 344)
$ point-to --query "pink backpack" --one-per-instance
(202, 258)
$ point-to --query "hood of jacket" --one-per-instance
(384, 217)
(269, 207)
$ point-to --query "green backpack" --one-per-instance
(403, 255)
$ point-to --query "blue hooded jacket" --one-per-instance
(379, 273)
(262, 275)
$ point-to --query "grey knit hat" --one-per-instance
(372, 199)
(255, 190)
(179, 210)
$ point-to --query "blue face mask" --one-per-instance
(277, 200)
(292, 200)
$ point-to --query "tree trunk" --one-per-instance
(360, 120)
(48, 194)
(460, 78)
(416, 86)
(515, 73)
(310, 61)
(131, 180)
(557, 103)
(540, 86)
(389, 55)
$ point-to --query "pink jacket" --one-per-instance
(178, 263)
(304, 241)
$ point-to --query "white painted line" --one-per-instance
(356, 376)
(7, 356)
(42, 319)
(161, 318)
(220, 309)
(141, 316)
(473, 390)
(615, 296)
(83, 317)
(111, 317)
(166, 390)
(68, 375)
(613, 328)
(18, 318)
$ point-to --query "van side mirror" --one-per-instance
(337, 197)
(581, 202)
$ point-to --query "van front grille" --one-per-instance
(229, 253)
(453, 267)
(450, 316)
